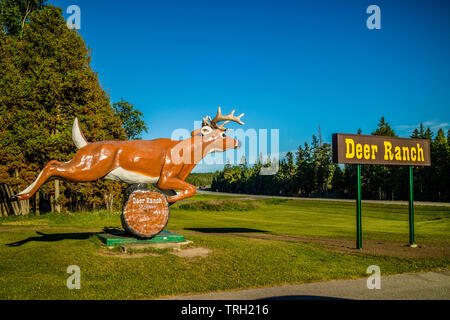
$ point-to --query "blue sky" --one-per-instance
(289, 65)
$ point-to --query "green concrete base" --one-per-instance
(121, 237)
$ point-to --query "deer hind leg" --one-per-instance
(188, 190)
(45, 175)
(73, 170)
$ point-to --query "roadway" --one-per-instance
(412, 286)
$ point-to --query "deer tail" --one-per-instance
(77, 136)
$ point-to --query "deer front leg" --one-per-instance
(187, 190)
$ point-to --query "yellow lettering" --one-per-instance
(405, 153)
(359, 151)
(413, 153)
(366, 152)
(420, 153)
(350, 148)
(387, 151)
(374, 150)
(398, 153)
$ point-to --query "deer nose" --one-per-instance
(238, 144)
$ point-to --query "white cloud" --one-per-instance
(434, 125)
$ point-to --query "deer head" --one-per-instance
(213, 134)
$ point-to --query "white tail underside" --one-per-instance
(31, 186)
(77, 136)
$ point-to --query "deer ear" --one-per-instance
(206, 130)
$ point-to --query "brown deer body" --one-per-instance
(165, 163)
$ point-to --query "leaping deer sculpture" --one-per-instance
(165, 163)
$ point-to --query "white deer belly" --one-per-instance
(130, 177)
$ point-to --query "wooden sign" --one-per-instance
(363, 149)
(146, 213)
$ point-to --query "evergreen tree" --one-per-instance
(45, 82)
(384, 129)
(376, 179)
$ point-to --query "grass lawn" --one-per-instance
(34, 264)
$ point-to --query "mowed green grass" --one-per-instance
(325, 219)
(35, 268)
(204, 197)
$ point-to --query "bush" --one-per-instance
(273, 201)
(219, 205)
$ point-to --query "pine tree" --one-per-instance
(375, 177)
(384, 129)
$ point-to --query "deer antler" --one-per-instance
(219, 117)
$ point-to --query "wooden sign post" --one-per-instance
(362, 149)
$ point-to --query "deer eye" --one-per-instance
(206, 130)
(223, 134)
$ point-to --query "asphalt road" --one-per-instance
(413, 286)
(252, 196)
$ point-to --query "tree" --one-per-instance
(132, 119)
(384, 129)
(304, 178)
(324, 167)
(283, 179)
(376, 181)
(15, 13)
(437, 177)
(45, 82)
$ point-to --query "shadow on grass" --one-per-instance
(43, 237)
(52, 237)
(226, 230)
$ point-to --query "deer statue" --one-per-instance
(165, 163)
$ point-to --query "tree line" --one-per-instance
(310, 172)
(200, 179)
(45, 82)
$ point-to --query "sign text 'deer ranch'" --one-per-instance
(362, 149)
